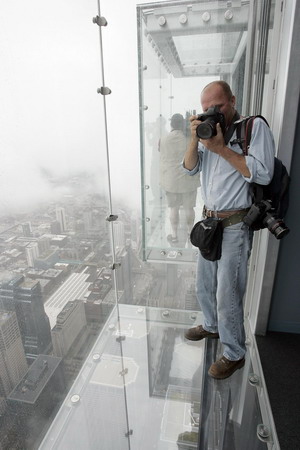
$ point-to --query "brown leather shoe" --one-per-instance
(198, 333)
(224, 368)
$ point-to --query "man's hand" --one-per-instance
(215, 144)
(191, 155)
(194, 123)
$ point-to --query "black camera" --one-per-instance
(260, 216)
(209, 119)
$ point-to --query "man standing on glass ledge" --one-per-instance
(226, 175)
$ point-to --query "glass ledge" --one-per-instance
(144, 386)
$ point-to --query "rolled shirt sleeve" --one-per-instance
(198, 166)
(260, 158)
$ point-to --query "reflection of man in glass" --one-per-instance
(154, 132)
(181, 189)
(226, 175)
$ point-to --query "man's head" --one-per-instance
(218, 93)
(177, 122)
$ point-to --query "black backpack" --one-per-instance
(274, 195)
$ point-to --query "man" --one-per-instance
(181, 189)
(226, 175)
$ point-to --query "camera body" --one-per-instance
(260, 216)
(209, 119)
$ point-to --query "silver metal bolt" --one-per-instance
(206, 16)
(228, 14)
(263, 432)
(75, 399)
(183, 19)
(253, 379)
(162, 21)
(96, 357)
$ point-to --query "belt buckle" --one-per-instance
(213, 214)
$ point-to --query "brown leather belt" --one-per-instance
(223, 214)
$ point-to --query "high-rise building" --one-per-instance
(87, 219)
(55, 227)
(119, 234)
(13, 365)
(44, 245)
(35, 396)
(69, 324)
(27, 230)
(61, 218)
(32, 252)
(24, 296)
(124, 273)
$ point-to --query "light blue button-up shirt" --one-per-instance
(222, 186)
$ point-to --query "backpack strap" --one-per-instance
(244, 132)
(229, 132)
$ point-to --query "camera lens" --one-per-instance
(205, 130)
(276, 226)
(281, 232)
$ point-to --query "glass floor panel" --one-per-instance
(142, 364)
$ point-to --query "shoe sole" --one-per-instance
(202, 337)
(237, 367)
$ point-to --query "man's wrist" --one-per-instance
(225, 152)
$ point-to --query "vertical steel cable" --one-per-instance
(105, 113)
(129, 432)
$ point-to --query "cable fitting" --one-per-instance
(100, 21)
(112, 218)
(104, 90)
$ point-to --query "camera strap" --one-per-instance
(230, 130)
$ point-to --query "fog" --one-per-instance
(51, 117)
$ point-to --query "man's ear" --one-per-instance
(233, 99)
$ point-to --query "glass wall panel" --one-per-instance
(189, 44)
(57, 288)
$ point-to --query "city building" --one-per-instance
(27, 230)
(43, 245)
(75, 287)
(61, 218)
(119, 234)
(69, 324)
(35, 397)
(13, 363)
(23, 295)
(32, 253)
(55, 227)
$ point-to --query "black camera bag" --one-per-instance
(207, 236)
(277, 192)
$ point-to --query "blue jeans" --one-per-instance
(220, 288)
